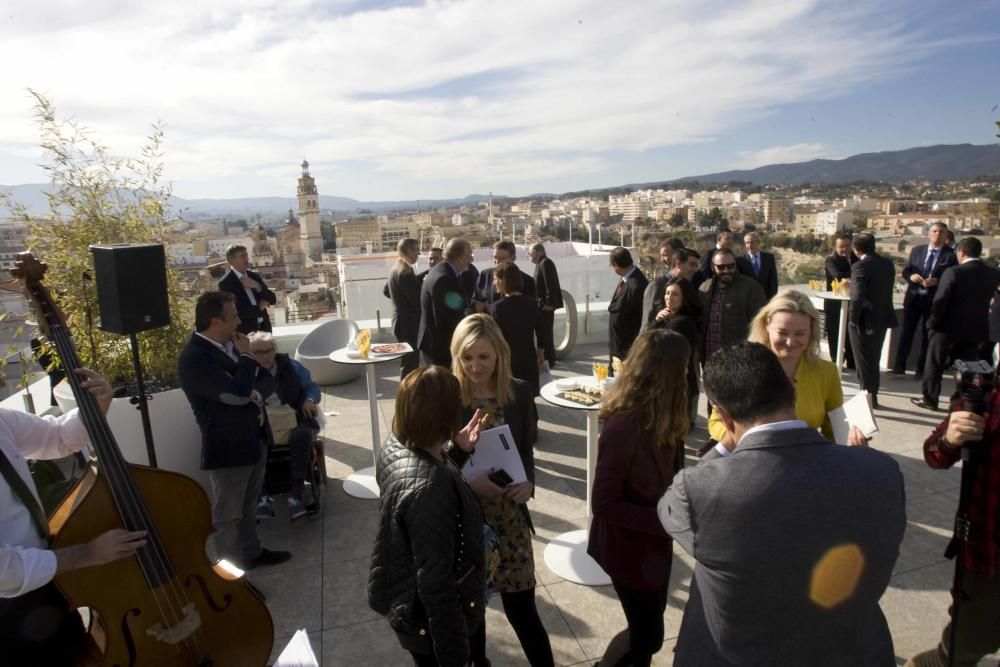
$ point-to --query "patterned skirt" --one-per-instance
(516, 569)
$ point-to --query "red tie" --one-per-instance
(621, 284)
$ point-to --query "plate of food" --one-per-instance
(391, 348)
(586, 395)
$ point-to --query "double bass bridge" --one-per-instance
(180, 631)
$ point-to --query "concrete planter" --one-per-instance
(176, 435)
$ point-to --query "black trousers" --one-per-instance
(644, 614)
(867, 346)
(546, 322)
(915, 314)
(409, 362)
(38, 628)
(943, 352)
(522, 614)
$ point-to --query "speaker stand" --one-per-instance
(141, 400)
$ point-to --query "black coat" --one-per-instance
(767, 277)
(915, 265)
(487, 294)
(837, 268)
(219, 391)
(428, 566)
(518, 319)
(625, 314)
(872, 282)
(687, 326)
(547, 287)
(252, 318)
(443, 304)
(961, 305)
(404, 290)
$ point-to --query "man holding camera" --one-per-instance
(977, 619)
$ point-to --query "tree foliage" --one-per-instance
(98, 198)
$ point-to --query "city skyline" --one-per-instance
(411, 100)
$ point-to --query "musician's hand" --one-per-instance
(309, 409)
(963, 427)
(241, 342)
(249, 283)
(97, 386)
(105, 548)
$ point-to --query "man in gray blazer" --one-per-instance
(795, 537)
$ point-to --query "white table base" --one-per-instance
(566, 554)
(842, 341)
(362, 484)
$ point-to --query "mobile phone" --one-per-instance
(500, 477)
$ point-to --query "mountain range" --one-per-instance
(936, 163)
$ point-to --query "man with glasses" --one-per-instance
(293, 415)
(730, 300)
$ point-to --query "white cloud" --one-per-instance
(516, 91)
(780, 155)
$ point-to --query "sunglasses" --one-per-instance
(731, 266)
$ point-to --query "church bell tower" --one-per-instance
(310, 234)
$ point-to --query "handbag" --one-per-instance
(282, 419)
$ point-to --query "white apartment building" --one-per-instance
(833, 221)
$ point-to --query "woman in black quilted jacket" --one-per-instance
(427, 575)
(481, 362)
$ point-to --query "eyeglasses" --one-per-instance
(731, 266)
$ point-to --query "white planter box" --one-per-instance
(176, 436)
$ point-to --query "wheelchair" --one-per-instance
(278, 475)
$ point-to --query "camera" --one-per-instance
(974, 380)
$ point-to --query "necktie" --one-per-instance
(621, 284)
(929, 264)
(756, 265)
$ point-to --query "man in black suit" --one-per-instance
(625, 309)
(684, 264)
(959, 319)
(404, 290)
(252, 295)
(922, 272)
(723, 240)
(504, 252)
(548, 295)
(759, 265)
(837, 267)
(871, 311)
(227, 389)
(443, 304)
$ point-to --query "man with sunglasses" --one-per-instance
(729, 300)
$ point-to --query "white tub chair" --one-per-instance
(314, 351)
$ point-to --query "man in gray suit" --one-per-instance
(795, 537)
(871, 312)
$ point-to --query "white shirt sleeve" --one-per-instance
(25, 561)
(674, 510)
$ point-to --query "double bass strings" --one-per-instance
(122, 486)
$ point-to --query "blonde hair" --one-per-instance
(653, 386)
(788, 301)
(468, 331)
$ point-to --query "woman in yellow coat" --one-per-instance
(789, 325)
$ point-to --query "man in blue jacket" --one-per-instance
(226, 389)
(297, 395)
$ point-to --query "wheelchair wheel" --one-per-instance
(317, 476)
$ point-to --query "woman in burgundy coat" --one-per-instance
(641, 447)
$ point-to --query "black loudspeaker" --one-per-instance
(131, 286)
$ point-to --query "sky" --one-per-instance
(393, 100)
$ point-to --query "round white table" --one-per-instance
(842, 342)
(566, 554)
(362, 484)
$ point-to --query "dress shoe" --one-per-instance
(897, 371)
(268, 557)
(921, 403)
(919, 375)
(875, 402)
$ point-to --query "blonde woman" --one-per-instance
(789, 325)
(481, 362)
(640, 449)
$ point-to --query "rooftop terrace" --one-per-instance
(323, 589)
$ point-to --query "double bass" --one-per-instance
(167, 605)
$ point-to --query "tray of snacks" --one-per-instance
(586, 395)
(391, 348)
